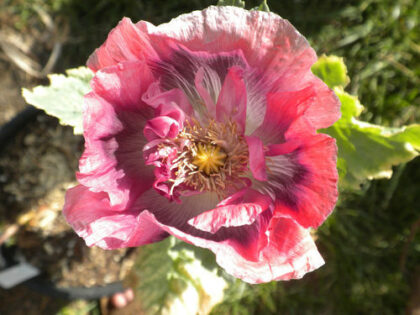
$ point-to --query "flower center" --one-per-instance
(209, 158)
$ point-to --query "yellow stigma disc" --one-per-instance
(209, 158)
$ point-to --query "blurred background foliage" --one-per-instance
(371, 242)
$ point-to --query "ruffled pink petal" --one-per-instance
(163, 174)
(283, 110)
(283, 148)
(291, 251)
(298, 113)
(123, 85)
(113, 160)
(172, 103)
(93, 218)
(256, 158)
(231, 103)
(304, 181)
(242, 208)
(162, 158)
(177, 213)
(289, 254)
(126, 42)
(161, 127)
(267, 41)
(153, 153)
(324, 110)
(246, 239)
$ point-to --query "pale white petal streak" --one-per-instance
(257, 88)
(195, 70)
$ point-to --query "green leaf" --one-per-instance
(63, 98)
(153, 266)
(365, 151)
(235, 3)
(350, 105)
(331, 70)
(342, 168)
(369, 150)
(177, 278)
(263, 7)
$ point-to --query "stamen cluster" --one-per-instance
(213, 158)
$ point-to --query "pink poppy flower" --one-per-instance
(205, 128)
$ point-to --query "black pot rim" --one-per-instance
(43, 286)
(40, 284)
(10, 128)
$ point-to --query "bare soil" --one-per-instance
(36, 168)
